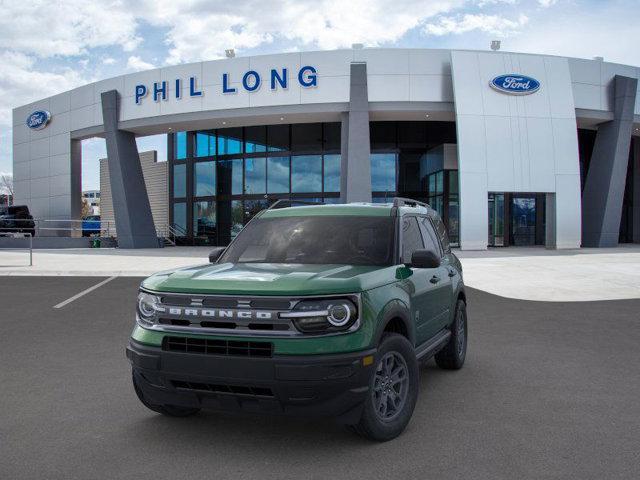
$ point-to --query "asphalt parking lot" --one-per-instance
(550, 390)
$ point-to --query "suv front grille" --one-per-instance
(229, 389)
(207, 346)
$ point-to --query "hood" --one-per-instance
(271, 279)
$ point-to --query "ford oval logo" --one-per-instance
(515, 84)
(38, 119)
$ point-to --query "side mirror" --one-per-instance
(424, 259)
(214, 255)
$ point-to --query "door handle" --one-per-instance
(452, 272)
(435, 279)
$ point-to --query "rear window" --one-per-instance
(346, 240)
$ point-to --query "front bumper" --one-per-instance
(315, 385)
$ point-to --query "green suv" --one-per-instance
(313, 310)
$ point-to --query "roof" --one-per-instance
(353, 209)
(347, 209)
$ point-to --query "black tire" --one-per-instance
(169, 410)
(452, 356)
(379, 426)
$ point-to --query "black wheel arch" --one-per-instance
(396, 318)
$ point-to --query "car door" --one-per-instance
(419, 285)
(442, 295)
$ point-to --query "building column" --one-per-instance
(604, 187)
(355, 177)
(131, 208)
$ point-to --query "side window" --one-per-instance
(411, 238)
(430, 238)
(441, 230)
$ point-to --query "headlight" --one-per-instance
(323, 315)
(147, 307)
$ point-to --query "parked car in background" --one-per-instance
(17, 219)
(91, 225)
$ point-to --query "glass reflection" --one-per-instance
(180, 180)
(306, 173)
(204, 219)
(332, 173)
(180, 217)
(278, 175)
(255, 175)
(229, 141)
(204, 182)
(383, 172)
(205, 144)
(230, 177)
(180, 146)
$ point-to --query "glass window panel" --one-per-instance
(440, 181)
(230, 141)
(411, 238)
(278, 138)
(331, 200)
(332, 173)
(306, 137)
(180, 217)
(253, 207)
(204, 179)
(453, 182)
(255, 139)
(237, 217)
(306, 173)
(180, 145)
(332, 133)
(205, 144)
(255, 175)
(383, 172)
(432, 184)
(179, 180)
(230, 177)
(278, 175)
(204, 219)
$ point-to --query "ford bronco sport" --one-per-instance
(314, 310)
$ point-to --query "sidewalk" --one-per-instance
(521, 273)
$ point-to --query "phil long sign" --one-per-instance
(515, 84)
(250, 81)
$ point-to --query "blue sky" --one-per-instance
(49, 48)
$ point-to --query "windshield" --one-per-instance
(347, 240)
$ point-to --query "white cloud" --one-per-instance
(135, 63)
(325, 24)
(491, 24)
(46, 28)
(547, 3)
(108, 61)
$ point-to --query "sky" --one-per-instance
(48, 47)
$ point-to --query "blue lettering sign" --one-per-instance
(157, 90)
(225, 84)
(251, 86)
(141, 92)
(275, 77)
(192, 88)
(515, 84)
(310, 80)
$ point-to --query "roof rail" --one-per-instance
(408, 202)
(285, 203)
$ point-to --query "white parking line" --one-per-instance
(84, 292)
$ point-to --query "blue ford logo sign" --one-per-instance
(515, 84)
(38, 119)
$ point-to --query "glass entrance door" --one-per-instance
(523, 220)
(496, 220)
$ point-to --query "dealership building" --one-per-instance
(510, 149)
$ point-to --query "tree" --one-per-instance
(86, 208)
(6, 183)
